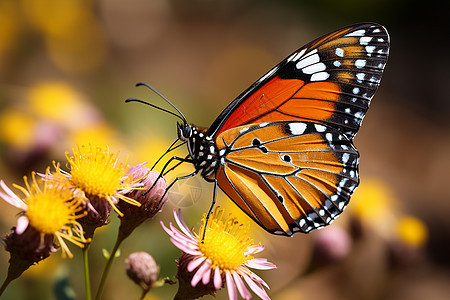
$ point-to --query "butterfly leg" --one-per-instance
(170, 185)
(211, 208)
(163, 171)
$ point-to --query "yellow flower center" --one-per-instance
(49, 211)
(96, 171)
(54, 211)
(225, 242)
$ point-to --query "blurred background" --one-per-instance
(66, 68)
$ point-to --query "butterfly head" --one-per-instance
(184, 131)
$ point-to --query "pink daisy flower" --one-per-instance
(224, 256)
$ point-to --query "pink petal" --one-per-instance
(193, 264)
(184, 247)
(200, 273)
(256, 288)
(260, 264)
(174, 233)
(232, 295)
(207, 275)
(11, 198)
(22, 224)
(182, 236)
(183, 226)
(240, 286)
(256, 278)
(217, 279)
(254, 249)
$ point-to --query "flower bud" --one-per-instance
(149, 195)
(142, 269)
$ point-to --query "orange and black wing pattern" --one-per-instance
(288, 176)
(330, 81)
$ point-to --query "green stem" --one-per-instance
(108, 267)
(5, 284)
(87, 280)
(144, 292)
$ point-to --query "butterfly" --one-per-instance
(283, 149)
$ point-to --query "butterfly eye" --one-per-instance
(187, 131)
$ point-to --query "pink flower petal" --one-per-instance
(22, 224)
(206, 267)
(182, 236)
(217, 279)
(207, 276)
(256, 288)
(11, 198)
(254, 249)
(183, 226)
(184, 247)
(256, 278)
(174, 233)
(240, 286)
(260, 264)
(193, 264)
(231, 287)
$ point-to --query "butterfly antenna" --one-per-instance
(154, 106)
(167, 100)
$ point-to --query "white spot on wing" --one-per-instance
(297, 128)
(337, 63)
(320, 76)
(365, 40)
(355, 90)
(340, 52)
(360, 63)
(359, 32)
(307, 61)
(314, 68)
(320, 128)
(297, 55)
(243, 130)
(370, 49)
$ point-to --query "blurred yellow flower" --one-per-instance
(97, 135)
(16, 128)
(412, 231)
(374, 203)
(55, 101)
(75, 39)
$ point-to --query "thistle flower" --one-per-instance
(96, 177)
(149, 187)
(223, 256)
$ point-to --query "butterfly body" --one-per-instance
(283, 150)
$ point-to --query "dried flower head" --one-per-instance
(224, 255)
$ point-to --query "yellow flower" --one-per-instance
(16, 128)
(51, 211)
(224, 255)
(412, 231)
(97, 173)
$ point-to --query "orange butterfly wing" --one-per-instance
(331, 81)
(288, 176)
